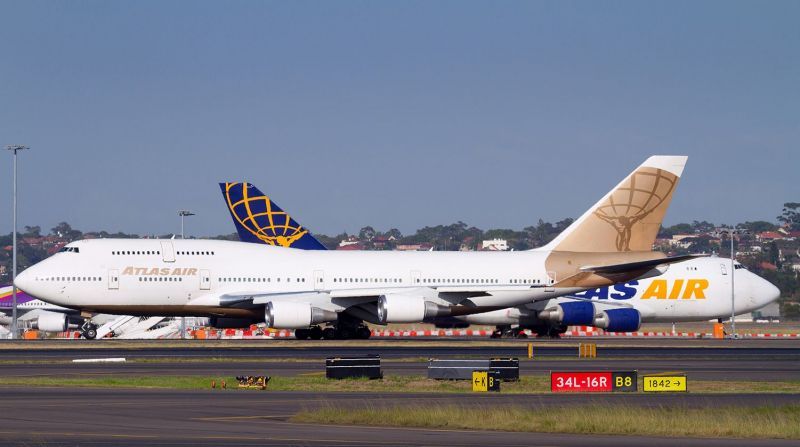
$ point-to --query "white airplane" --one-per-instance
(694, 290)
(298, 289)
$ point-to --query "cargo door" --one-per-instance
(167, 251)
(113, 279)
(205, 280)
(551, 279)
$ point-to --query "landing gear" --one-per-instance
(302, 334)
(508, 331)
(89, 330)
(340, 332)
(551, 332)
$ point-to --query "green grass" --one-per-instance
(728, 422)
(391, 384)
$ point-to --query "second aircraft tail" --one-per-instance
(260, 220)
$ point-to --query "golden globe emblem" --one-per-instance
(643, 192)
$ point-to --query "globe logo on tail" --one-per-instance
(259, 216)
(644, 192)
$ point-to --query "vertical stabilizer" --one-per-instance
(260, 220)
(629, 216)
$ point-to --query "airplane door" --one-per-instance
(167, 251)
(415, 277)
(319, 279)
(205, 280)
(113, 279)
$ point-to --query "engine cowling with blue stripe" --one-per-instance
(578, 313)
(584, 313)
(619, 320)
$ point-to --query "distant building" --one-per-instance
(351, 246)
(352, 240)
(495, 245)
(767, 236)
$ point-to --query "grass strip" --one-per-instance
(781, 422)
(390, 384)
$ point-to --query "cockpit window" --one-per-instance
(69, 250)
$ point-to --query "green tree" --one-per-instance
(791, 215)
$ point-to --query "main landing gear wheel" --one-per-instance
(363, 333)
(89, 331)
(328, 333)
(302, 334)
(315, 333)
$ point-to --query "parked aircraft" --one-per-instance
(300, 289)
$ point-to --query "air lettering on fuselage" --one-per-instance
(156, 271)
(659, 288)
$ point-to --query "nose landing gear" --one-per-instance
(89, 330)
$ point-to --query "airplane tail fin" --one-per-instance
(629, 216)
(260, 220)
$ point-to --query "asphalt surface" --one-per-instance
(124, 417)
(773, 360)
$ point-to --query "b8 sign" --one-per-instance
(592, 381)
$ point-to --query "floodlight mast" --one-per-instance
(14, 148)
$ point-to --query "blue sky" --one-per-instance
(399, 114)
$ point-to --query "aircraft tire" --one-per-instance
(302, 334)
(363, 333)
(89, 333)
(315, 333)
(344, 333)
(328, 333)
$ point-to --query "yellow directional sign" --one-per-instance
(480, 381)
(662, 384)
(485, 381)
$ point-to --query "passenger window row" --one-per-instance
(135, 252)
(160, 279)
(458, 281)
(368, 280)
(190, 253)
(70, 278)
(256, 279)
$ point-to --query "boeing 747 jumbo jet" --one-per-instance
(238, 282)
(694, 290)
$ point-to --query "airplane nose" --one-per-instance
(770, 292)
(24, 281)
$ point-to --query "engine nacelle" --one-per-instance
(52, 322)
(578, 313)
(289, 315)
(231, 323)
(619, 320)
(400, 308)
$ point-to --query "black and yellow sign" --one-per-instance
(664, 384)
(483, 381)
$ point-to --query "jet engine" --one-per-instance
(578, 313)
(52, 322)
(619, 320)
(401, 308)
(289, 315)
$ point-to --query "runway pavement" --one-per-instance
(125, 417)
(740, 360)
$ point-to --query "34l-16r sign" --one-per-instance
(592, 381)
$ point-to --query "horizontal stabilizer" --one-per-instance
(622, 268)
(606, 275)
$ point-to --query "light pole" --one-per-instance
(183, 213)
(14, 149)
(733, 286)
